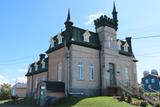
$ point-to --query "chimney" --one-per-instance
(41, 56)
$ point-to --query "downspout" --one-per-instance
(100, 72)
(32, 85)
(68, 65)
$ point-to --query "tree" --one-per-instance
(5, 91)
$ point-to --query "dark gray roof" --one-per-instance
(40, 69)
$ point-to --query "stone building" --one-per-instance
(86, 63)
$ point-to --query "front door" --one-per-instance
(112, 74)
(42, 95)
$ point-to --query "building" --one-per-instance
(82, 62)
(151, 82)
(19, 90)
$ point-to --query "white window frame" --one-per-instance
(119, 44)
(86, 36)
(59, 72)
(126, 47)
(149, 86)
(126, 75)
(36, 66)
(109, 42)
(91, 72)
(51, 42)
(59, 37)
(36, 83)
(30, 83)
(43, 64)
(80, 71)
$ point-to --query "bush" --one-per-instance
(157, 104)
(143, 104)
(129, 99)
(122, 98)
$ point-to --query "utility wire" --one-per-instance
(145, 37)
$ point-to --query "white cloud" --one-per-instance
(21, 79)
(90, 18)
(22, 70)
(3, 79)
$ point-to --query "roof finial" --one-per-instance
(68, 17)
(114, 13)
(68, 22)
(114, 7)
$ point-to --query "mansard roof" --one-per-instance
(151, 75)
(123, 43)
(32, 71)
(76, 37)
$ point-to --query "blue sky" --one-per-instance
(27, 25)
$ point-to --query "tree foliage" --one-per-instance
(5, 91)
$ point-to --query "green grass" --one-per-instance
(101, 101)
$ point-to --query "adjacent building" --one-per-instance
(19, 90)
(151, 82)
(83, 62)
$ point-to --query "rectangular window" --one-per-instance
(146, 81)
(30, 83)
(152, 80)
(91, 72)
(80, 71)
(59, 72)
(36, 83)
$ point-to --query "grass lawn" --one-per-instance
(101, 101)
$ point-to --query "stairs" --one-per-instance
(128, 89)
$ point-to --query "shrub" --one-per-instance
(157, 104)
(122, 98)
(129, 99)
(143, 104)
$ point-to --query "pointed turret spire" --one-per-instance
(68, 22)
(114, 13)
(68, 17)
(114, 7)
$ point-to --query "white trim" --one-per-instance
(119, 44)
(59, 72)
(59, 37)
(91, 72)
(86, 36)
(51, 42)
(36, 66)
(80, 71)
(126, 47)
(43, 64)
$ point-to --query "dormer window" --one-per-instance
(43, 64)
(126, 47)
(36, 66)
(29, 68)
(51, 42)
(59, 37)
(86, 36)
(119, 44)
